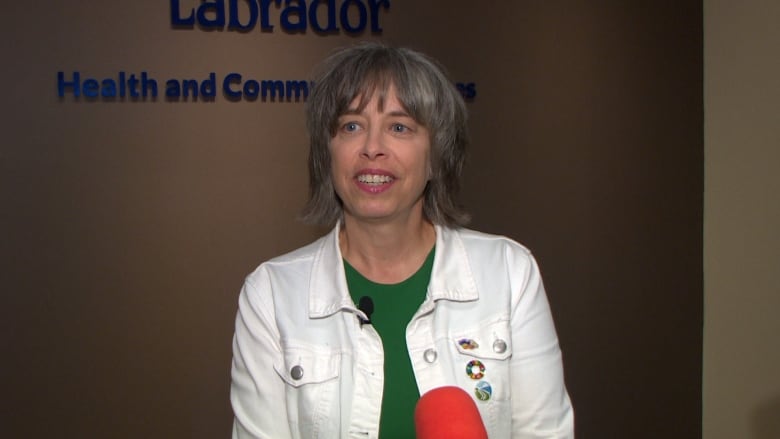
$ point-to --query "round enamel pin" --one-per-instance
(475, 369)
(483, 391)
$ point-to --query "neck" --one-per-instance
(386, 252)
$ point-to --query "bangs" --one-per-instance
(375, 84)
(366, 79)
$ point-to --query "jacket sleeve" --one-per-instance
(541, 407)
(256, 393)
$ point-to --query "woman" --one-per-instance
(450, 306)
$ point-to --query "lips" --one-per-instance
(374, 180)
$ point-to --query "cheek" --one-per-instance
(340, 171)
(337, 161)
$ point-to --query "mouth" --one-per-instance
(375, 179)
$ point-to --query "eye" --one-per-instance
(350, 127)
(399, 128)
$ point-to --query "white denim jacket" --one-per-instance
(303, 367)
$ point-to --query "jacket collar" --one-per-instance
(451, 279)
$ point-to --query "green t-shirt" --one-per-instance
(394, 306)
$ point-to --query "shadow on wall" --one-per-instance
(766, 420)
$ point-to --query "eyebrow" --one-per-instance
(397, 113)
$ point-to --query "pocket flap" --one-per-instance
(308, 364)
(492, 340)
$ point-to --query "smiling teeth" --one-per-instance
(375, 179)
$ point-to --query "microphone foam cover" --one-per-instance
(448, 413)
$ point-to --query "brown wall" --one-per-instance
(128, 226)
(741, 383)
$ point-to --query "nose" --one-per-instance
(373, 145)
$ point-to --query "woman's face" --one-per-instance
(380, 161)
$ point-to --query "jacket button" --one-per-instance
(296, 372)
(430, 355)
(499, 346)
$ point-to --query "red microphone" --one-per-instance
(448, 413)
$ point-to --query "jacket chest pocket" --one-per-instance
(311, 374)
(483, 352)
